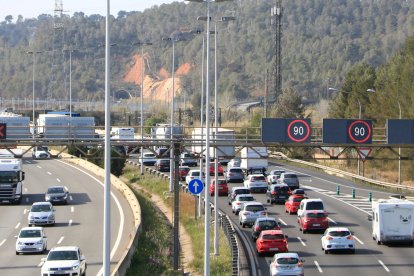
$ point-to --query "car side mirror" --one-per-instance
(286, 236)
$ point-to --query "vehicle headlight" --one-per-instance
(30, 216)
(47, 197)
(20, 243)
(39, 242)
(76, 266)
(52, 216)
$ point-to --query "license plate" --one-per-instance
(273, 249)
(282, 197)
(220, 188)
(340, 246)
(316, 225)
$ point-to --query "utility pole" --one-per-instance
(276, 20)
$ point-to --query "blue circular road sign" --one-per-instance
(195, 186)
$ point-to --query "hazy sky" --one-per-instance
(33, 8)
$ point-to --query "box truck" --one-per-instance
(11, 176)
(222, 138)
(392, 221)
(254, 159)
(61, 126)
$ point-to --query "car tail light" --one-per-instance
(257, 228)
(245, 213)
(263, 213)
(329, 238)
(300, 264)
(238, 203)
(230, 174)
(349, 238)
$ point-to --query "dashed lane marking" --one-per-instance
(384, 266)
(2, 242)
(301, 241)
(355, 237)
(60, 240)
(318, 267)
(284, 223)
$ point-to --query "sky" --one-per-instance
(33, 8)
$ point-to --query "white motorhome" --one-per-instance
(122, 133)
(11, 177)
(392, 221)
(254, 158)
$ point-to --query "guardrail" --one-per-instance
(341, 172)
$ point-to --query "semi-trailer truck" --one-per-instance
(11, 177)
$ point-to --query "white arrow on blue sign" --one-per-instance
(195, 186)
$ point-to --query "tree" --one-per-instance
(289, 105)
(9, 19)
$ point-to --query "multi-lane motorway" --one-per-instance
(78, 223)
(344, 210)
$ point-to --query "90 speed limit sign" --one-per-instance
(360, 131)
(299, 131)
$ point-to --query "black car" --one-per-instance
(57, 194)
(162, 165)
(277, 193)
(264, 223)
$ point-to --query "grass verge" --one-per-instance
(220, 265)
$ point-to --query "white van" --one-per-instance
(310, 204)
(392, 221)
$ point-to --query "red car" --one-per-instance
(183, 171)
(223, 189)
(271, 241)
(220, 170)
(292, 204)
(313, 220)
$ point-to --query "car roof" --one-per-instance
(184, 167)
(32, 228)
(286, 255)
(312, 199)
(266, 218)
(56, 186)
(255, 174)
(279, 171)
(337, 229)
(42, 203)
(65, 248)
(315, 212)
(244, 195)
(279, 185)
(271, 232)
(239, 188)
(239, 168)
(252, 203)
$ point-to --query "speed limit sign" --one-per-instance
(299, 130)
(360, 131)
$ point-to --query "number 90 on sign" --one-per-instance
(360, 131)
(298, 131)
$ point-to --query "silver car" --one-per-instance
(41, 213)
(239, 201)
(31, 240)
(250, 212)
(286, 264)
(57, 194)
(234, 174)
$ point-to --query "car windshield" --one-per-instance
(267, 223)
(185, 169)
(149, 155)
(246, 198)
(316, 215)
(314, 205)
(297, 199)
(55, 190)
(254, 208)
(30, 234)
(281, 189)
(41, 208)
(195, 173)
(273, 237)
(291, 176)
(339, 233)
(258, 178)
(241, 191)
(62, 255)
(287, 261)
(236, 171)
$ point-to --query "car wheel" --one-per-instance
(240, 223)
(304, 231)
(267, 200)
(379, 242)
(260, 254)
(352, 251)
(326, 251)
(17, 253)
(243, 225)
(229, 203)
(289, 212)
(236, 213)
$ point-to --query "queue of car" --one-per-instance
(60, 260)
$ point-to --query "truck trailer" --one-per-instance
(224, 139)
(254, 159)
(393, 221)
(11, 177)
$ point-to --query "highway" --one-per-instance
(78, 223)
(369, 259)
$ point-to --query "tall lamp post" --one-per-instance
(142, 44)
(207, 192)
(33, 53)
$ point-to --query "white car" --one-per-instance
(286, 264)
(338, 239)
(250, 212)
(40, 152)
(238, 202)
(41, 213)
(64, 260)
(273, 176)
(256, 182)
(31, 240)
(148, 159)
(195, 174)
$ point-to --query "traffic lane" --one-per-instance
(330, 182)
(309, 246)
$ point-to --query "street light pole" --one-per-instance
(201, 123)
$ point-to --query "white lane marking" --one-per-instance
(17, 226)
(72, 209)
(24, 211)
(318, 267)
(301, 241)
(70, 223)
(2, 242)
(331, 220)
(57, 179)
(40, 264)
(383, 265)
(284, 223)
(60, 240)
(121, 214)
(25, 190)
(355, 237)
(49, 173)
(38, 166)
